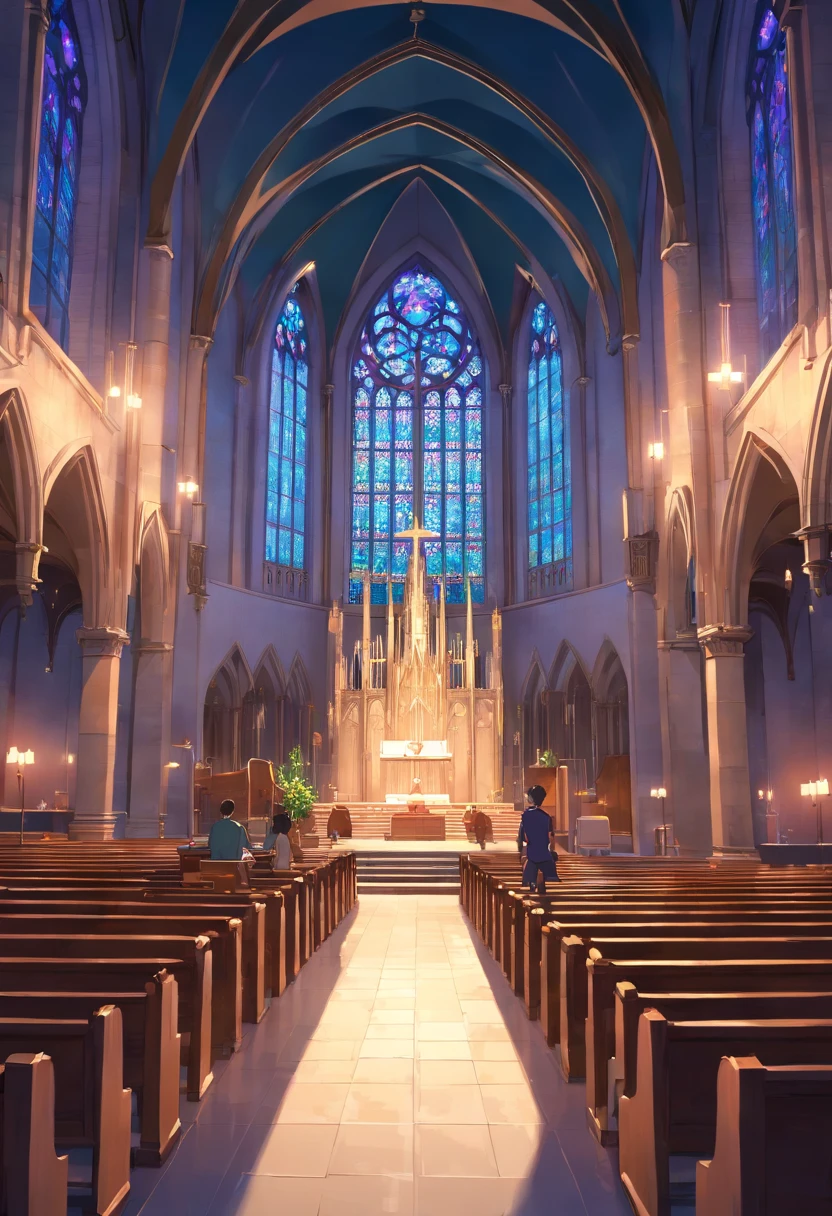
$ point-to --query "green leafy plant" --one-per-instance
(298, 794)
(549, 759)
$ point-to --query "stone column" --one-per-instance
(158, 261)
(512, 594)
(646, 763)
(94, 815)
(731, 818)
(686, 768)
(326, 529)
(150, 753)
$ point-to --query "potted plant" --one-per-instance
(298, 794)
(545, 773)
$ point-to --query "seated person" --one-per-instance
(227, 838)
(278, 839)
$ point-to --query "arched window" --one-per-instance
(286, 469)
(64, 98)
(417, 441)
(550, 482)
(772, 179)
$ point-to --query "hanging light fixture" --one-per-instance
(726, 376)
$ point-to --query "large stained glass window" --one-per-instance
(286, 468)
(64, 98)
(549, 476)
(772, 174)
(418, 441)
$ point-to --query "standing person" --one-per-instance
(227, 838)
(278, 839)
(537, 833)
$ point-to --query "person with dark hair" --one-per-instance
(227, 837)
(278, 839)
(537, 834)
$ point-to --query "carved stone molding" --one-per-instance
(642, 561)
(724, 641)
(818, 565)
(102, 643)
(196, 574)
(27, 559)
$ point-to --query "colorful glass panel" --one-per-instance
(288, 441)
(417, 436)
(772, 182)
(549, 497)
(63, 101)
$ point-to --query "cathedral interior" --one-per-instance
(438, 393)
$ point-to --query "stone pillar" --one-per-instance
(731, 819)
(512, 595)
(158, 261)
(686, 768)
(646, 762)
(150, 752)
(95, 818)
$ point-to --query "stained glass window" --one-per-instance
(549, 475)
(772, 175)
(418, 441)
(286, 463)
(64, 98)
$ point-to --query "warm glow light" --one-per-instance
(788, 578)
(15, 756)
(761, 794)
(11, 756)
(658, 792)
(188, 487)
(70, 759)
(815, 789)
(726, 376)
(114, 391)
(26, 757)
(172, 764)
(823, 787)
(134, 402)
(655, 451)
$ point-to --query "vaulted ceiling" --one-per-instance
(528, 120)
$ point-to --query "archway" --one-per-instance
(222, 733)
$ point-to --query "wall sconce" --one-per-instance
(816, 790)
(20, 758)
(188, 488)
(726, 376)
(172, 764)
(70, 759)
(788, 579)
(132, 399)
(655, 451)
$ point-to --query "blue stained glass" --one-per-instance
(272, 473)
(271, 508)
(453, 515)
(549, 496)
(772, 182)
(473, 556)
(417, 353)
(271, 544)
(400, 556)
(361, 471)
(381, 556)
(433, 558)
(359, 556)
(433, 512)
(360, 515)
(63, 100)
(381, 515)
(287, 432)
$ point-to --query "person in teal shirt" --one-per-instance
(228, 838)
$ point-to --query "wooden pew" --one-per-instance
(225, 987)
(151, 1046)
(673, 1107)
(82, 975)
(34, 1180)
(574, 983)
(621, 1071)
(92, 1108)
(773, 1150)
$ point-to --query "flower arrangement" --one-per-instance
(549, 759)
(298, 795)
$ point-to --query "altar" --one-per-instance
(409, 702)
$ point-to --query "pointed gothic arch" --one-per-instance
(222, 730)
(75, 528)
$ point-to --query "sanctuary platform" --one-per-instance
(372, 821)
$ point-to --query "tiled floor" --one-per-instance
(398, 1074)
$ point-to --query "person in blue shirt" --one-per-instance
(227, 837)
(537, 833)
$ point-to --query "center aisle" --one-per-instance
(398, 1074)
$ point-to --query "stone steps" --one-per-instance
(407, 873)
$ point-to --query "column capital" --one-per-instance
(201, 342)
(102, 643)
(160, 247)
(817, 547)
(724, 641)
(326, 392)
(242, 380)
(40, 10)
(642, 559)
(677, 251)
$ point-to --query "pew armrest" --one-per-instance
(35, 1180)
(643, 1123)
(734, 1180)
(111, 1144)
(160, 1126)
